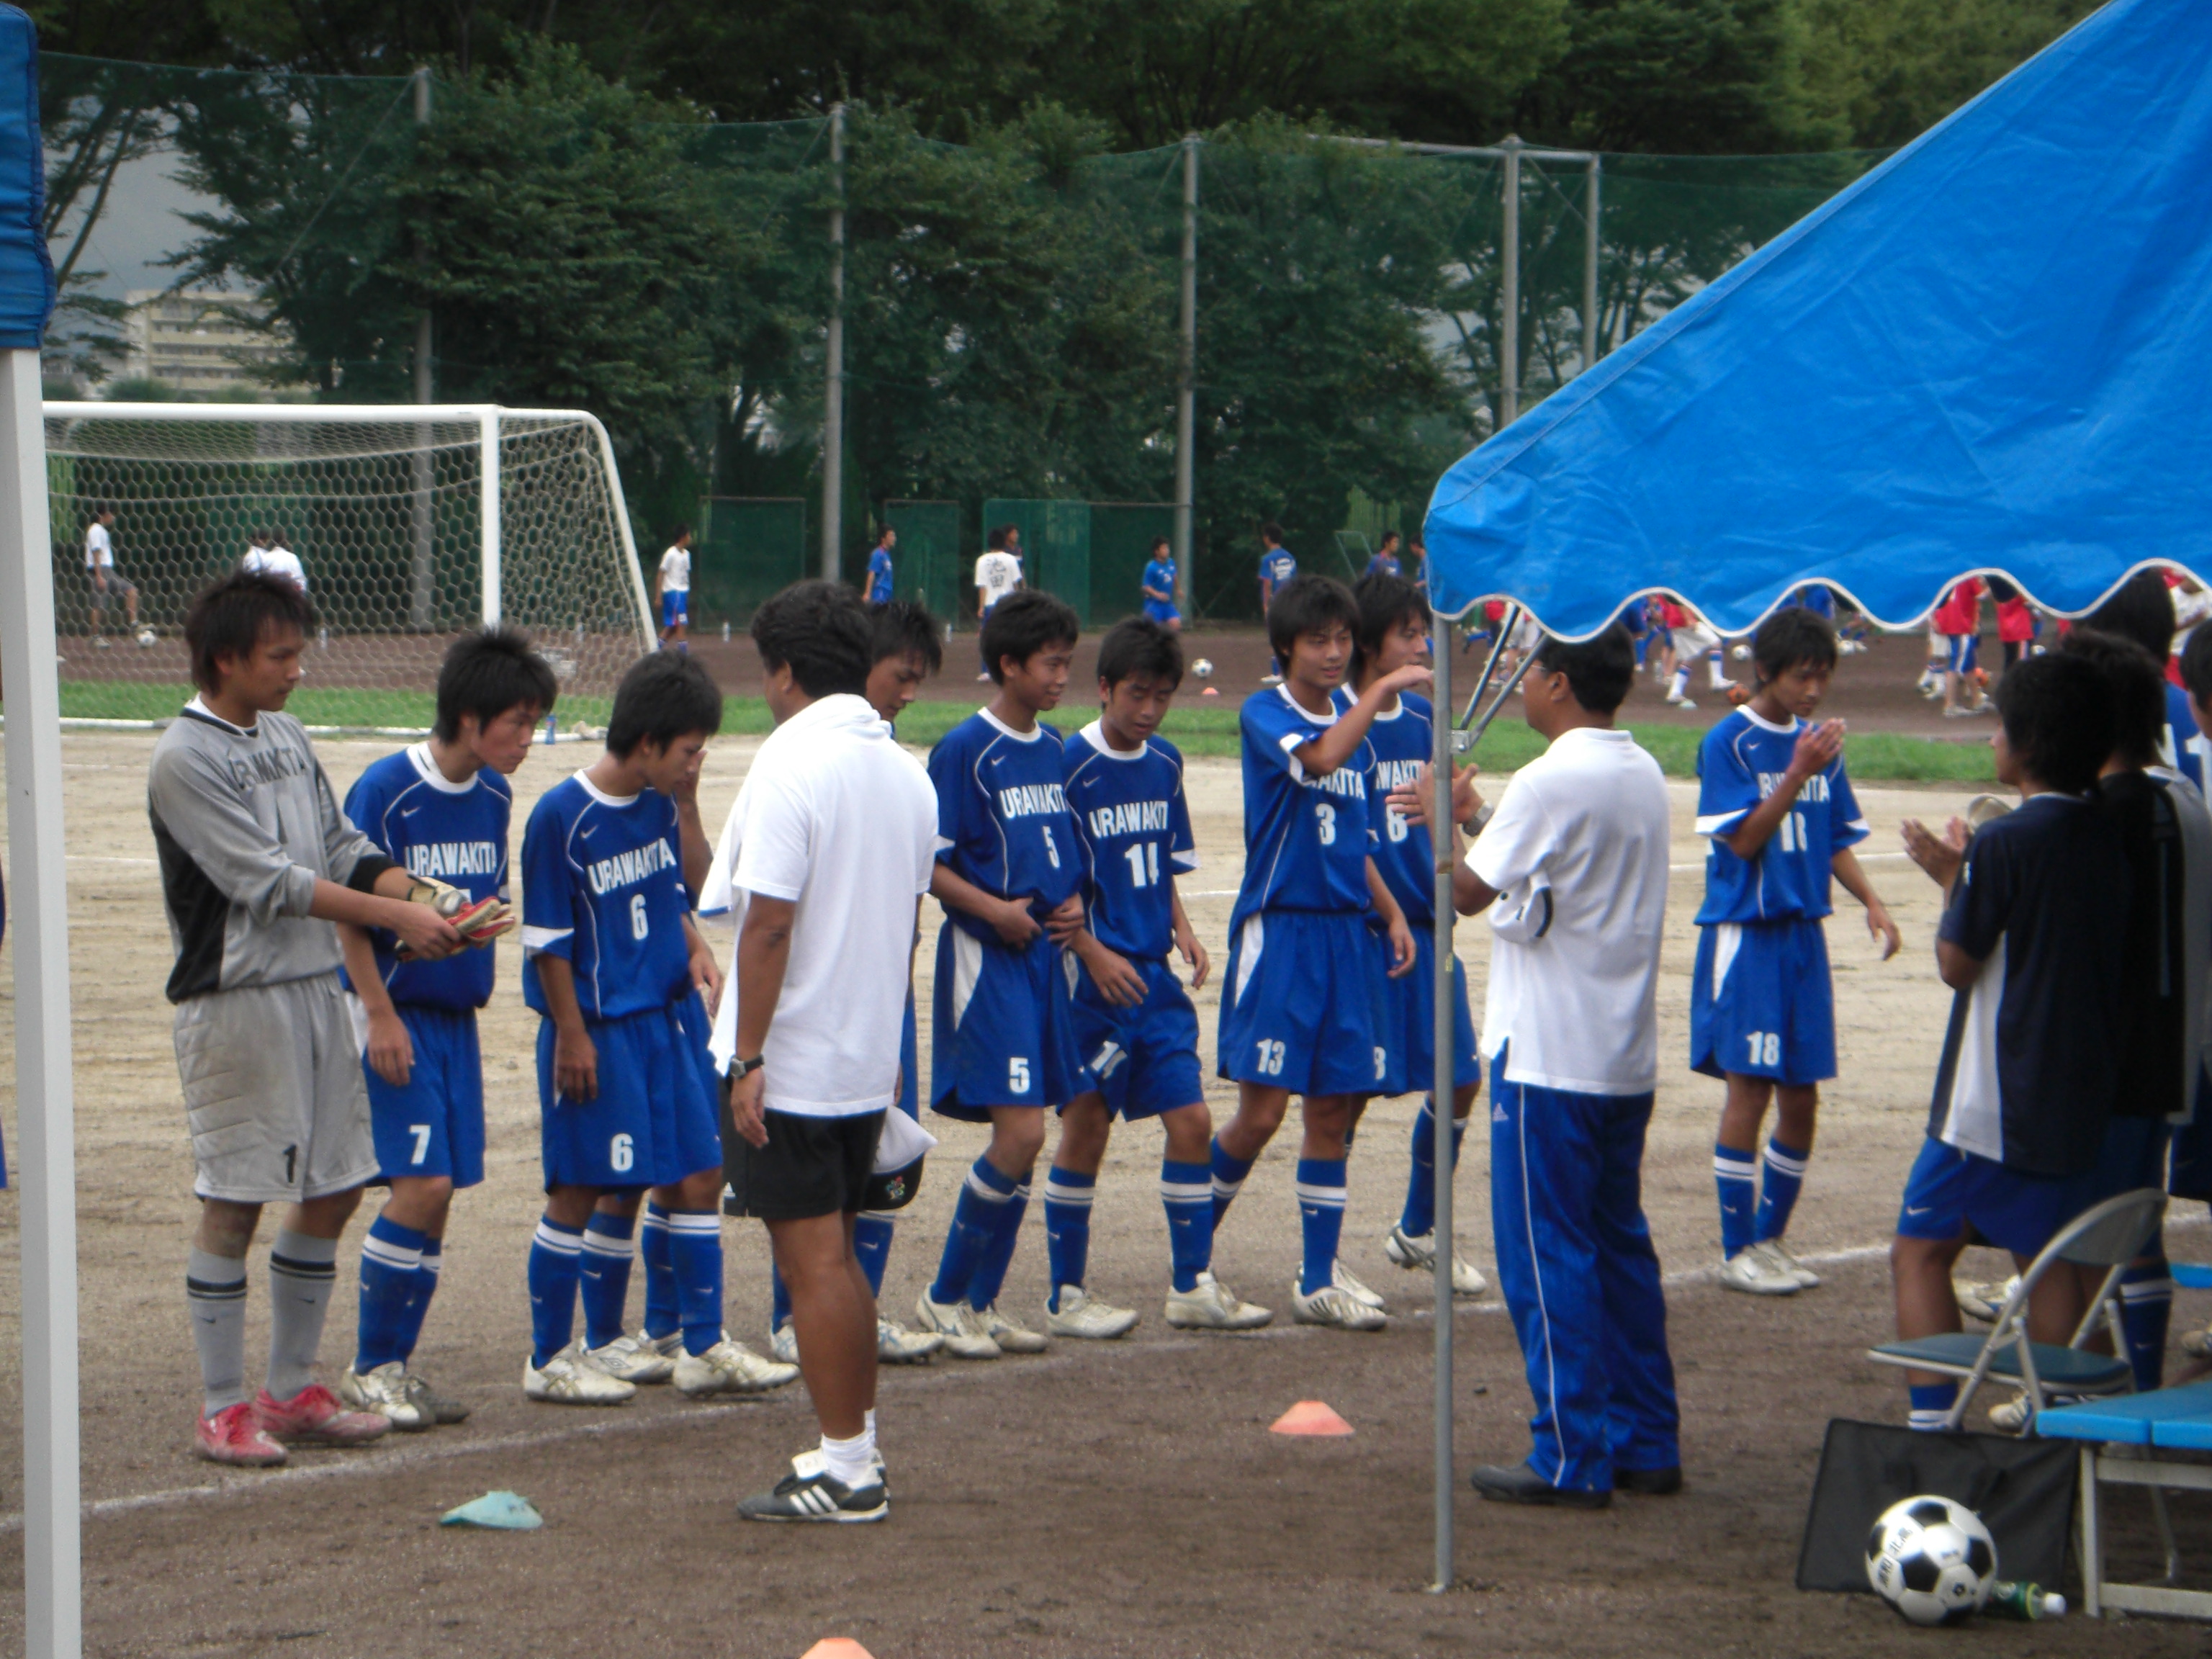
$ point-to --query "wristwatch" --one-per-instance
(740, 1068)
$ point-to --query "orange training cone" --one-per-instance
(837, 1647)
(1310, 1417)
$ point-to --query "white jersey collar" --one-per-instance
(601, 795)
(1029, 736)
(426, 768)
(1094, 735)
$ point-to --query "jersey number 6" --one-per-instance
(640, 924)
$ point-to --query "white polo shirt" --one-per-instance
(676, 571)
(996, 574)
(839, 818)
(1577, 852)
(99, 547)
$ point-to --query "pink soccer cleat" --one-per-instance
(233, 1435)
(314, 1417)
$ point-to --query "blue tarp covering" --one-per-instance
(26, 273)
(1993, 353)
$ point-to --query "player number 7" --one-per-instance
(421, 1134)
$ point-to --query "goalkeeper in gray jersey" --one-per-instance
(257, 863)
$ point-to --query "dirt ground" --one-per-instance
(1120, 1498)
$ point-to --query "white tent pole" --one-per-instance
(1440, 1109)
(1591, 244)
(488, 511)
(45, 1101)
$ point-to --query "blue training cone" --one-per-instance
(495, 1511)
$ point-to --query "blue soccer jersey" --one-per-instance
(1002, 818)
(455, 833)
(1402, 743)
(1160, 577)
(1817, 597)
(1383, 564)
(1741, 762)
(603, 885)
(1134, 826)
(879, 577)
(1306, 839)
(1277, 565)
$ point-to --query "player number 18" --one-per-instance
(1790, 832)
(1765, 1047)
(1144, 859)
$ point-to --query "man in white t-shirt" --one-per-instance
(998, 573)
(102, 578)
(267, 555)
(834, 856)
(1572, 867)
(673, 582)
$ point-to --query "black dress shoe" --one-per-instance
(1650, 1483)
(1522, 1484)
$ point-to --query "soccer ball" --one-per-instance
(1203, 668)
(1931, 1559)
(146, 637)
(1741, 653)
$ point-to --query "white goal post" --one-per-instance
(413, 522)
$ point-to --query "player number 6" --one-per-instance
(640, 924)
(621, 1154)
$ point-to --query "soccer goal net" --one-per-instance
(410, 524)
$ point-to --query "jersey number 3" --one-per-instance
(1326, 815)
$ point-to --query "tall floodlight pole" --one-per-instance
(1443, 1082)
(1508, 337)
(833, 391)
(1186, 377)
(423, 575)
(488, 511)
(1590, 245)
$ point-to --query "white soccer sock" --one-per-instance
(852, 1462)
(214, 1289)
(302, 1276)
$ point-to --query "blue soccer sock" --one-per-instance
(390, 1258)
(2145, 1308)
(1229, 1174)
(554, 1266)
(779, 1298)
(419, 1305)
(605, 1264)
(1418, 1220)
(1932, 1403)
(1186, 1195)
(975, 1223)
(1321, 1219)
(872, 1243)
(1067, 1227)
(694, 1255)
(660, 1311)
(1777, 1189)
(1732, 1174)
(998, 1254)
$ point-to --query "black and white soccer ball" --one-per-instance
(1931, 1559)
(148, 639)
(1203, 668)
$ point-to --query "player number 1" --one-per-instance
(640, 924)
(1142, 859)
(1765, 1047)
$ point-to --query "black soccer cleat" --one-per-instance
(1650, 1483)
(1522, 1484)
(811, 1493)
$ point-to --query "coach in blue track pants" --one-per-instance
(1574, 861)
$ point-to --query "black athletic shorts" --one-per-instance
(812, 1166)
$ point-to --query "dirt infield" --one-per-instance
(1124, 1498)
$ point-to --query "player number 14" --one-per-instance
(1143, 864)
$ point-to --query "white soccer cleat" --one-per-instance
(1419, 1254)
(955, 1324)
(641, 1359)
(1983, 1300)
(570, 1379)
(2012, 1416)
(1782, 1261)
(1750, 1271)
(1680, 702)
(729, 1367)
(897, 1346)
(783, 1342)
(1011, 1336)
(2198, 1343)
(1358, 1292)
(1080, 1316)
(383, 1388)
(1211, 1305)
(1332, 1304)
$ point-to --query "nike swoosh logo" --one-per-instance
(409, 811)
(1921, 1210)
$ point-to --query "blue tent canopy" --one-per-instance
(26, 272)
(1989, 354)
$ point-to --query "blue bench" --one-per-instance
(2178, 1419)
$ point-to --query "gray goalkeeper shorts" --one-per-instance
(274, 1093)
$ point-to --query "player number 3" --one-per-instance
(1327, 815)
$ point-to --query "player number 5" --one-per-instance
(1051, 847)
(640, 924)
(1018, 1075)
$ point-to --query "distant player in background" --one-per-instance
(1160, 587)
(1394, 633)
(673, 583)
(1384, 561)
(881, 584)
(1816, 597)
(1692, 638)
(998, 573)
(439, 810)
(1277, 570)
(2142, 610)
(1959, 620)
(2016, 622)
(105, 582)
(1134, 1026)
(1636, 617)
(1780, 819)
(267, 554)
(1009, 877)
(1300, 1008)
(1416, 560)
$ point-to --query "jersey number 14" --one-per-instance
(1143, 864)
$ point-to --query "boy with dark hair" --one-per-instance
(1780, 820)
(673, 579)
(441, 811)
(882, 582)
(1009, 877)
(1277, 569)
(615, 968)
(2033, 941)
(1159, 584)
(1394, 633)
(1298, 1012)
(1384, 561)
(257, 863)
(1134, 1025)
(2142, 609)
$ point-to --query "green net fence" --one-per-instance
(1010, 322)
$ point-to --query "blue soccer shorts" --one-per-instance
(910, 1094)
(1298, 1004)
(1161, 610)
(1002, 1031)
(655, 1119)
(1409, 1018)
(432, 1125)
(1951, 1193)
(1142, 1059)
(675, 608)
(1761, 1003)
(1960, 653)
